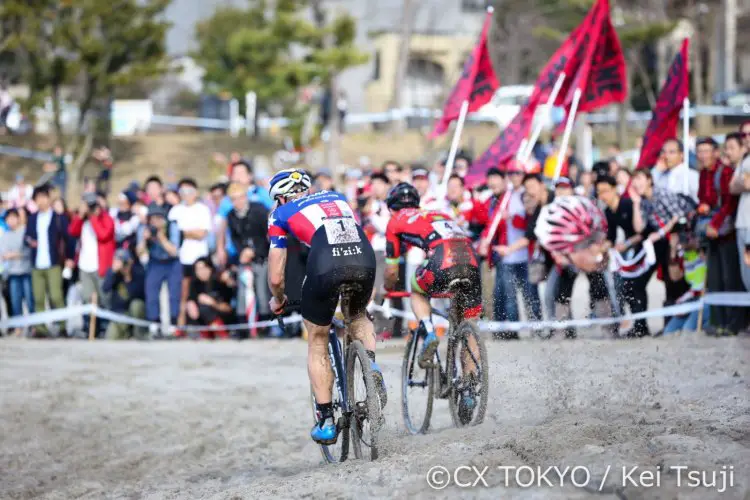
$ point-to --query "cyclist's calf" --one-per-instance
(362, 329)
(318, 364)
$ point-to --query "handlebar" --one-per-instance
(387, 302)
(290, 306)
(386, 308)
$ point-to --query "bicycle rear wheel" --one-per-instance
(364, 402)
(476, 382)
(334, 453)
(417, 388)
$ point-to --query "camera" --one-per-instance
(90, 200)
(153, 230)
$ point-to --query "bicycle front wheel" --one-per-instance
(468, 400)
(364, 402)
(417, 388)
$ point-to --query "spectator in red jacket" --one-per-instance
(723, 273)
(717, 205)
(95, 230)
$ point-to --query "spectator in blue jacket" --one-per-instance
(126, 287)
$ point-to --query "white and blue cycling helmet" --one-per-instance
(289, 182)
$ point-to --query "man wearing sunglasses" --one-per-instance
(193, 219)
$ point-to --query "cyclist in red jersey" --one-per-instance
(450, 257)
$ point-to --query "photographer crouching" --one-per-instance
(95, 231)
(126, 292)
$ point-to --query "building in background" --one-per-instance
(742, 50)
(444, 33)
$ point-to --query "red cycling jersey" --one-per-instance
(450, 255)
(425, 229)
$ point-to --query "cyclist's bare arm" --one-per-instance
(391, 276)
(276, 267)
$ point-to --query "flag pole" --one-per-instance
(499, 215)
(568, 132)
(443, 191)
(685, 139)
(540, 123)
(522, 149)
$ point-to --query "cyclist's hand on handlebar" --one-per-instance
(277, 307)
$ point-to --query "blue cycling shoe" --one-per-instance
(429, 348)
(379, 384)
(325, 432)
(466, 406)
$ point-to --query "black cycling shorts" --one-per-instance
(598, 290)
(448, 262)
(329, 267)
(565, 285)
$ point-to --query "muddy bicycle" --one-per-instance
(355, 396)
(464, 374)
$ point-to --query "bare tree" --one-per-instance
(408, 16)
(730, 43)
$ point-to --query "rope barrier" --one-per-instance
(726, 299)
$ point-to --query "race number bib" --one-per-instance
(343, 230)
(447, 229)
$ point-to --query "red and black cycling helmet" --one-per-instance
(402, 195)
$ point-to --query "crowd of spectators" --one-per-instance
(208, 245)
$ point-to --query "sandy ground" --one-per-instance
(229, 420)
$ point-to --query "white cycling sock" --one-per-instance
(428, 326)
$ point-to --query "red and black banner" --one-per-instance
(666, 116)
(476, 85)
(592, 60)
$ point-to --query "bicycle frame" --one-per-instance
(336, 355)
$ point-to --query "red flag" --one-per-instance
(591, 58)
(600, 70)
(505, 146)
(476, 85)
(666, 117)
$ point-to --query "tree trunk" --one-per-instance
(730, 43)
(81, 155)
(81, 143)
(712, 40)
(57, 115)
(514, 56)
(409, 14)
(334, 137)
(622, 112)
(701, 123)
(661, 46)
(712, 63)
(648, 85)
